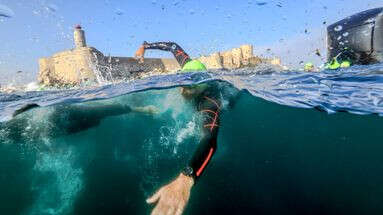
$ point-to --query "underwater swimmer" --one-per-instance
(65, 119)
(173, 197)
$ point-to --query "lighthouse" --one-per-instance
(79, 37)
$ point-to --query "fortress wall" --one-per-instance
(129, 67)
(84, 64)
(227, 59)
(74, 66)
(212, 61)
(45, 67)
(68, 67)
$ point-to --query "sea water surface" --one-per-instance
(289, 143)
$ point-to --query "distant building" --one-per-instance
(87, 64)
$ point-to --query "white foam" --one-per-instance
(186, 132)
(58, 194)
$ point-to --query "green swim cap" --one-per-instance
(333, 64)
(345, 64)
(309, 66)
(193, 65)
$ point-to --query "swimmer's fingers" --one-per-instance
(154, 198)
(180, 208)
(170, 211)
(162, 208)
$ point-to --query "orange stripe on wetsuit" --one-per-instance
(210, 109)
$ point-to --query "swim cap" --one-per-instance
(334, 64)
(193, 65)
(309, 66)
(345, 64)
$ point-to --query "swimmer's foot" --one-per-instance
(150, 109)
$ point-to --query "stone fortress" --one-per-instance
(86, 64)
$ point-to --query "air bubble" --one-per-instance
(339, 38)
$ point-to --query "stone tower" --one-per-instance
(79, 37)
(247, 51)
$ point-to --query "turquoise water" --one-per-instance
(272, 158)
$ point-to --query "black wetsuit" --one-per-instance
(64, 120)
(208, 103)
(180, 55)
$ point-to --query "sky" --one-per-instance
(289, 29)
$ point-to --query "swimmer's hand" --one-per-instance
(172, 198)
(140, 54)
(150, 109)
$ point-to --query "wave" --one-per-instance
(357, 89)
(104, 150)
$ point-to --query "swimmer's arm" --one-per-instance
(172, 47)
(203, 154)
(172, 198)
(210, 108)
(164, 46)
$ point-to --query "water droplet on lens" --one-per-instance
(51, 8)
(338, 28)
(154, 2)
(261, 3)
(345, 34)
(192, 12)
(6, 11)
(119, 12)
